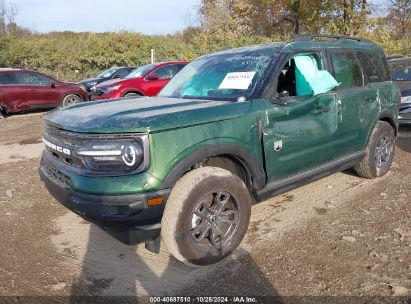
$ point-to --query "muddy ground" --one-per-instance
(342, 236)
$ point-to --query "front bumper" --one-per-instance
(99, 95)
(128, 218)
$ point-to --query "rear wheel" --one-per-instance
(379, 152)
(69, 100)
(206, 216)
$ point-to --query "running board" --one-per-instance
(301, 179)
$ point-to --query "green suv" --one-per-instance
(231, 129)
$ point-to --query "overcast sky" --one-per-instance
(145, 16)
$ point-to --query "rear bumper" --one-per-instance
(128, 218)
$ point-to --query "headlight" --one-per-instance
(92, 84)
(406, 99)
(110, 89)
(116, 156)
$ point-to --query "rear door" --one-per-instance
(13, 94)
(355, 101)
(378, 80)
(164, 73)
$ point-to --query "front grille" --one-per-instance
(66, 140)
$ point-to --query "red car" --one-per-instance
(146, 80)
(23, 90)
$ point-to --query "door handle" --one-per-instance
(321, 110)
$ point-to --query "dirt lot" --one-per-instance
(341, 236)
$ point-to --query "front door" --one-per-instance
(300, 136)
(164, 73)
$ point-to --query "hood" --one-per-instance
(143, 114)
(84, 81)
(111, 82)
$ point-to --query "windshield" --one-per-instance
(228, 76)
(107, 73)
(140, 71)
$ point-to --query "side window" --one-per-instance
(34, 79)
(347, 69)
(122, 73)
(8, 79)
(165, 72)
(375, 67)
(303, 75)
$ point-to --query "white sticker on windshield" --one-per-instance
(237, 81)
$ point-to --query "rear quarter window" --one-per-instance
(347, 70)
(375, 67)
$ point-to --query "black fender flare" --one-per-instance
(256, 170)
(388, 116)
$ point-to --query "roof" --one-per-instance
(312, 41)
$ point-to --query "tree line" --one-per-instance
(223, 24)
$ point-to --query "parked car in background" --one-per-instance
(401, 74)
(146, 80)
(111, 73)
(23, 90)
(404, 116)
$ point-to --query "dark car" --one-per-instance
(23, 90)
(112, 73)
(405, 109)
(401, 74)
(146, 80)
(230, 129)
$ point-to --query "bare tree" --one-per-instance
(8, 14)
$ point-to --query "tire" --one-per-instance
(70, 99)
(131, 94)
(379, 152)
(222, 207)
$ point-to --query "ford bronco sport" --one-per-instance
(231, 129)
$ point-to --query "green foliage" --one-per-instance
(224, 24)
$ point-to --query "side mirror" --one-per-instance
(284, 94)
(152, 77)
(283, 97)
(52, 85)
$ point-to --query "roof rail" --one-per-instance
(309, 37)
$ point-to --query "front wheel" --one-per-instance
(206, 216)
(69, 100)
(379, 152)
(132, 94)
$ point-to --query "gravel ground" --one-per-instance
(341, 239)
